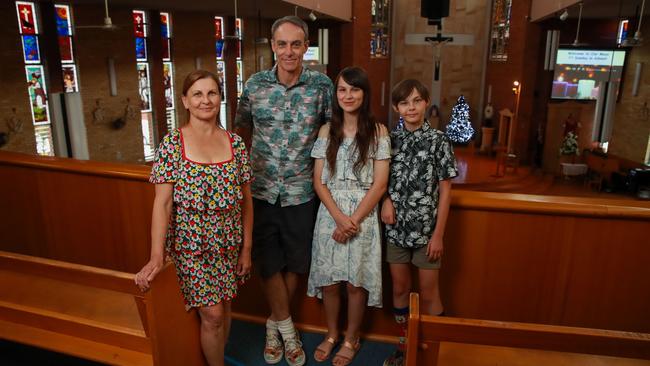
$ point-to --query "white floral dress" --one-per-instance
(359, 260)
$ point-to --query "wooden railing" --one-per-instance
(522, 258)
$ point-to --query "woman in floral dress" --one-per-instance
(202, 212)
(350, 176)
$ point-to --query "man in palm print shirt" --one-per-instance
(282, 110)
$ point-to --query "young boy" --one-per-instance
(416, 210)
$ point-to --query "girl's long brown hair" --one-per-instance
(366, 128)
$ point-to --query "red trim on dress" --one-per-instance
(232, 151)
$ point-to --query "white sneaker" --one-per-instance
(293, 352)
(273, 349)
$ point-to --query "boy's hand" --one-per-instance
(388, 212)
(434, 248)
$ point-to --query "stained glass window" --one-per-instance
(221, 66)
(144, 82)
(380, 28)
(500, 30)
(64, 32)
(31, 49)
(239, 31)
(26, 13)
(27, 17)
(168, 69)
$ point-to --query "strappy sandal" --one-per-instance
(325, 349)
(346, 353)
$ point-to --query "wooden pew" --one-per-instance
(426, 333)
(96, 314)
(545, 248)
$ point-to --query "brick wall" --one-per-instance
(193, 37)
(631, 121)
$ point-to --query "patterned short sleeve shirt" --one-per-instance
(285, 123)
(420, 159)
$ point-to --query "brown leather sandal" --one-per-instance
(346, 353)
(325, 349)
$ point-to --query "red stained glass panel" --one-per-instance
(139, 24)
(26, 18)
(65, 47)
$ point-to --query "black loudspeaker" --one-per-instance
(434, 9)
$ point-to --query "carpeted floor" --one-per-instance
(247, 343)
(244, 349)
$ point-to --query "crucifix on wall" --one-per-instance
(438, 40)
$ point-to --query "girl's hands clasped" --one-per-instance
(346, 227)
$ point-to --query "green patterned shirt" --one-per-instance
(284, 123)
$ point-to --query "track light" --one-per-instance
(564, 15)
(312, 16)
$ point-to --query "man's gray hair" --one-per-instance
(293, 20)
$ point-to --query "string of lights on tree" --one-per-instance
(460, 128)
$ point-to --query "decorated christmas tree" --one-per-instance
(459, 128)
(570, 144)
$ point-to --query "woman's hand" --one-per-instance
(388, 212)
(244, 262)
(148, 273)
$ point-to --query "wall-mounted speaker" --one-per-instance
(434, 9)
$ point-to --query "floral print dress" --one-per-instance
(358, 261)
(205, 230)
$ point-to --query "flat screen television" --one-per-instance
(581, 73)
(312, 54)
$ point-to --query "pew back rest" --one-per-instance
(426, 332)
(96, 313)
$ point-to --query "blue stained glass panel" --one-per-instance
(30, 48)
(140, 48)
(62, 21)
(164, 25)
(219, 46)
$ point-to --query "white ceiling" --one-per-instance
(607, 9)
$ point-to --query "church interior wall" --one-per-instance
(522, 61)
(631, 130)
(463, 71)
(94, 47)
(462, 66)
(193, 37)
(14, 84)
